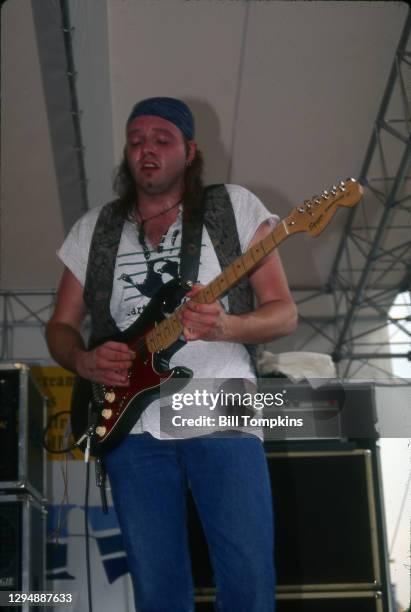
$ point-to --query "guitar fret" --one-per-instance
(248, 260)
(279, 234)
(222, 282)
(219, 285)
(164, 334)
(173, 328)
(230, 275)
(166, 331)
(259, 252)
(239, 267)
(151, 345)
(175, 323)
(208, 295)
(214, 289)
(269, 242)
(159, 340)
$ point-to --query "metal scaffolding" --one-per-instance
(373, 262)
(23, 311)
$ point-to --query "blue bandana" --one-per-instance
(171, 109)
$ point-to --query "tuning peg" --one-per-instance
(316, 199)
(325, 194)
(307, 204)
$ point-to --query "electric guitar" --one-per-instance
(156, 335)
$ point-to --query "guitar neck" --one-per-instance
(168, 331)
(312, 217)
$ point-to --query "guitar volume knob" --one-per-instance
(110, 396)
(101, 431)
(107, 413)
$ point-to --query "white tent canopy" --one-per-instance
(284, 93)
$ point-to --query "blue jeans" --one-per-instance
(228, 477)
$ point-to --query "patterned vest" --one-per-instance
(219, 219)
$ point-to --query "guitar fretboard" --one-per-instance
(168, 331)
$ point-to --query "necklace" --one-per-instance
(141, 238)
(163, 212)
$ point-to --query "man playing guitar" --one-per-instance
(159, 180)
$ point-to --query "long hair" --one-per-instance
(124, 186)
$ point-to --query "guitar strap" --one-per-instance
(100, 271)
(218, 216)
(191, 244)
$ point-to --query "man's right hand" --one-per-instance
(107, 364)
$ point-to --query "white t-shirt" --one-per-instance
(137, 279)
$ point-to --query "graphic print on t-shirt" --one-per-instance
(159, 272)
(145, 273)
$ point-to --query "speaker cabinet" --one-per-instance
(327, 536)
(367, 601)
(325, 522)
(22, 417)
(22, 545)
(325, 519)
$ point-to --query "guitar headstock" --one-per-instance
(314, 215)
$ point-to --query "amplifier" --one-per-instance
(22, 545)
(330, 411)
(326, 532)
(22, 420)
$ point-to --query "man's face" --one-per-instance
(156, 154)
